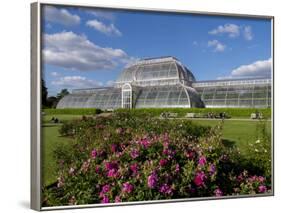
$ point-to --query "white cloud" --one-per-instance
(247, 32)
(103, 14)
(61, 16)
(257, 68)
(216, 45)
(231, 29)
(261, 68)
(77, 82)
(76, 52)
(103, 28)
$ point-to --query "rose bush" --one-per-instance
(123, 158)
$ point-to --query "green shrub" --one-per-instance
(73, 111)
(259, 151)
(123, 158)
(232, 112)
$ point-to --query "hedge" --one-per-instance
(233, 112)
(73, 111)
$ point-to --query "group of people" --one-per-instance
(55, 120)
(221, 115)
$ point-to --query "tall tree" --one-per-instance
(62, 93)
(52, 101)
(44, 93)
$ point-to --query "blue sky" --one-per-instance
(89, 47)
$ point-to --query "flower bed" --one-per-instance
(123, 158)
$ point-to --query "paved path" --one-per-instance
(217, 119)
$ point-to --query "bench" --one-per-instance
(190, 115)
(168, 115)
(257, 115)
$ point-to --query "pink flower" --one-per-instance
(261, 179)
(113, 173)
(134, 168)
(127, 187)
(105, 199)
(111, 165)
(240, 178)
(123, 146)
(85, 166)
(189, 154)
(177, 170)
(163, 162)
(97, 169)
(105, 188)
(262, 189)
(134, 153)
(114, 148)
(169, 152)
(145, 142)
(166, 189)
(199, 178)
(218, 192)
(202, 161)
(117, 199)
(152, 180)
(166, 140)
(94, 153)
(212, 169)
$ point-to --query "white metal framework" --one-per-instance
(156, 72)
(127, 96)
(241, 93)
(166, 82)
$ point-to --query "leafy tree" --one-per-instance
(62, 93)
(52, 101)
(44, 92)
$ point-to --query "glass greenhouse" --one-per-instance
(166, 83)
(251, 93)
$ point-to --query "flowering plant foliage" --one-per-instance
(123, 158)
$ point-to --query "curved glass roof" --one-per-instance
(102, 99)
(165, 82)
(166, 97)
(166, 69)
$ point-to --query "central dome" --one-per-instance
(156, 71)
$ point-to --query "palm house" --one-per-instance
(166, 83)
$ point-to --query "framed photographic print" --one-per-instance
(140, 106)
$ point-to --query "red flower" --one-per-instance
(199, 178)
(163, 162)
(134, 168)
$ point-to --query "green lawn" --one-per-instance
(51, 139)
(65, 117)
(235, 132)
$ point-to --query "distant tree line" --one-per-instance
(51, 101)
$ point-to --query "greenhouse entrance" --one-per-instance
(127, 96)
